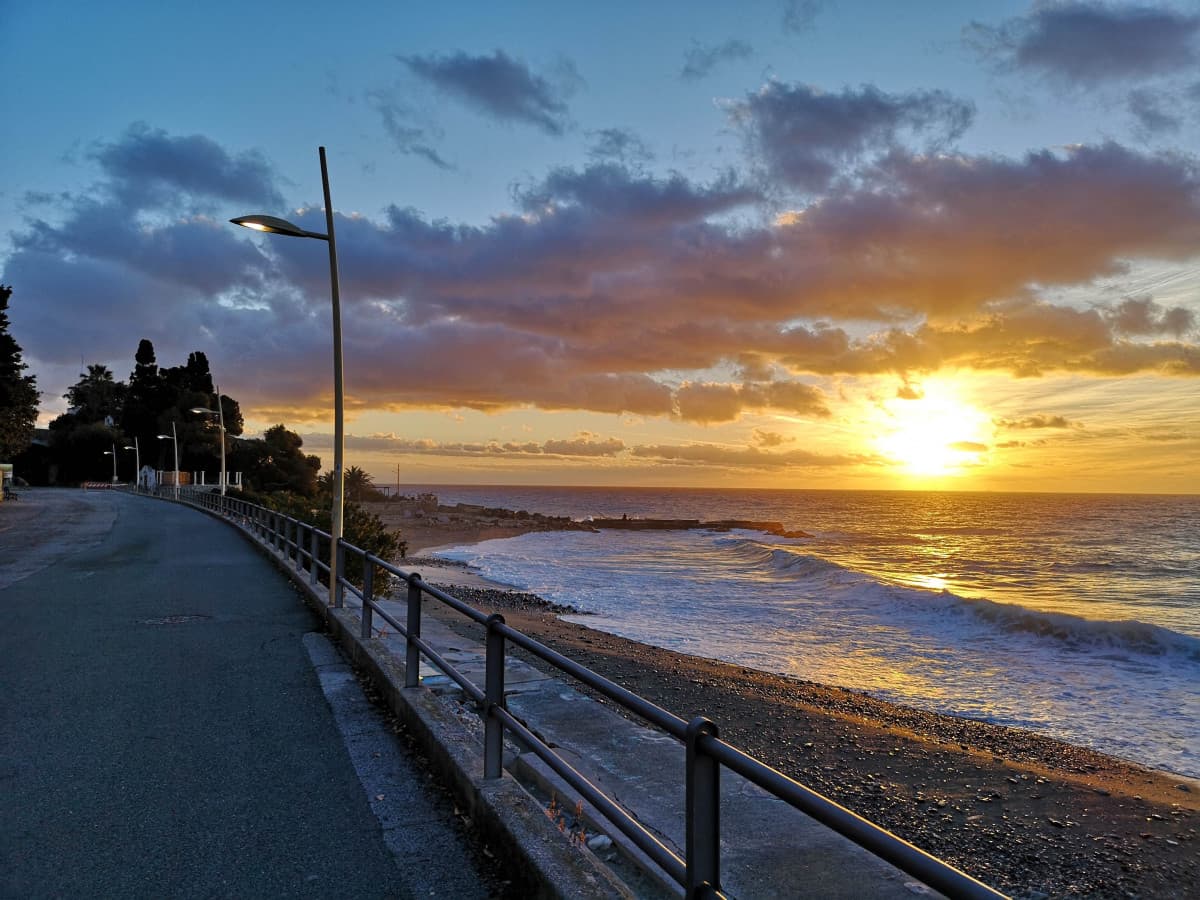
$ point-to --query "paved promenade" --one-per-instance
(172, 726)
(164, 733)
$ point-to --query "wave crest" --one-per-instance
(885, 599)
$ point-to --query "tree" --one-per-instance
(143, 399)
(359, 486)
(96, 397)
(81, 436)
(18, 392)
(276, 463)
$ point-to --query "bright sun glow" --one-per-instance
(937, 434)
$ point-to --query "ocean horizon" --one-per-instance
(1072, 615)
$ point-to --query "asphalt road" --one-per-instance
(162, 729)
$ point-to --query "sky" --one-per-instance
(777, 244)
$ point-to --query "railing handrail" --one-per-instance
(699, 871)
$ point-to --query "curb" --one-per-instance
(508, 815)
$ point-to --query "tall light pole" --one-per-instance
(137, 462)
(281, 226)
(219, 412)
(173, 438)
(113, 454)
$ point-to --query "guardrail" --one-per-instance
(698, 871)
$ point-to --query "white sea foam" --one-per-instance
(1121, 685)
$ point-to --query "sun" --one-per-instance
(935, 435)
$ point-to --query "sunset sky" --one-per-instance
(778, 244)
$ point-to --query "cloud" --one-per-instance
(1150, 116)
(1142, 316)
(410, 139)
(703, 454)
(585, 445)
(498, 86)
(146, 165)
(764, 438)
(611, 190)
(805, 137)
(708, 403)
(1035, 422)
(619, 145)
(699, 60)
(968, 447)
(617, 290)
(799, 15)
(1085, 44)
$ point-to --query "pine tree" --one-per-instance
(144, 399)
(18, 392)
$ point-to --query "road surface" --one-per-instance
(164, 732)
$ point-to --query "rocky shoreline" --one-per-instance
(1031, 816)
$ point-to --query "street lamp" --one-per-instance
(219, 412)
(113, 454)
(173, 438)
(273, 225)
(137, 462)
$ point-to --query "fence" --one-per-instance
(698, 872)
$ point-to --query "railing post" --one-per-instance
(412, 653)
(703, 843)
(315, 548)
(493, 691)
(368, 595)
(336, 593)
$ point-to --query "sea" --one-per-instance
(1073, 615)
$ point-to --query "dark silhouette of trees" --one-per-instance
(276, 463)
(144, 400)
(359, 486)
(96, 397)
(104, 412)
(81, 436)
(18, 392)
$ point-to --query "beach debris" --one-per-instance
(598, 842)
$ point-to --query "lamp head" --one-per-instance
(165, 437)
(205, 410)
(273, 225)
(129, 447)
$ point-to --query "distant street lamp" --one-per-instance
(113, 454)
(219, 412)
(137, 462)
(173, 438)
(281, 226)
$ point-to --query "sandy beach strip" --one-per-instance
(1030, 815)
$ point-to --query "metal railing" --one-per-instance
(698, 871)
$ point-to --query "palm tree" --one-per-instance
(356, 482)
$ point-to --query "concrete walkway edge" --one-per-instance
(508, 815)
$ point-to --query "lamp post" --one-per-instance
(219, 412)
(137, 462)
(281, 226)
(174, 439)
(113, 454)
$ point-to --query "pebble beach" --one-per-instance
(1029, 815)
